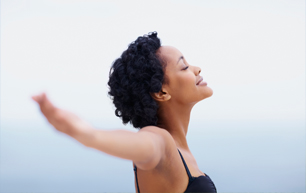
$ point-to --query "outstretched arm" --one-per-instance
(146, 147)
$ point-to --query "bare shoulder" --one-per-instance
(154, 129)
(161, 142)
(162, 133)
(165, 138)
(166, 170)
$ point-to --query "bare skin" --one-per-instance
(152, 149)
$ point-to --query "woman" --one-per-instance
(154, 88)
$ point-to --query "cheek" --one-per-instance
(184, 87)
(186, 82)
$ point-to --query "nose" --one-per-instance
(197, 70)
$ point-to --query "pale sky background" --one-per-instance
(251, 52)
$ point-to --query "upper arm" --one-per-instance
(157, 141)
(145, 148)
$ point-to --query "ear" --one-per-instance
(161, 96)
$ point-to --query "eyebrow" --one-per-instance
(181, 58)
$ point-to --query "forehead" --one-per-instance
(169, 54)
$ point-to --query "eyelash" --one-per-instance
(186, 68)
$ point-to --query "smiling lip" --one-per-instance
(201, 82)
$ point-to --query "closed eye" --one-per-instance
(186, 68)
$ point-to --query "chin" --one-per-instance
(209, 92)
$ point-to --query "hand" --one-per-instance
(62, 120)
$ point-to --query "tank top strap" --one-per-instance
(186, 167)
(135, 170)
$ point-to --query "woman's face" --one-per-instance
(184, 82)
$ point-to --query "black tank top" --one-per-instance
(195, 184)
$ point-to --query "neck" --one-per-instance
(175, 119)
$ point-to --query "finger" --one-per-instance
(46, 105)
(37, 98)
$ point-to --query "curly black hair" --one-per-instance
(137, 73)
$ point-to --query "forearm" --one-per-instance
(120, 143)
(144, 147)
